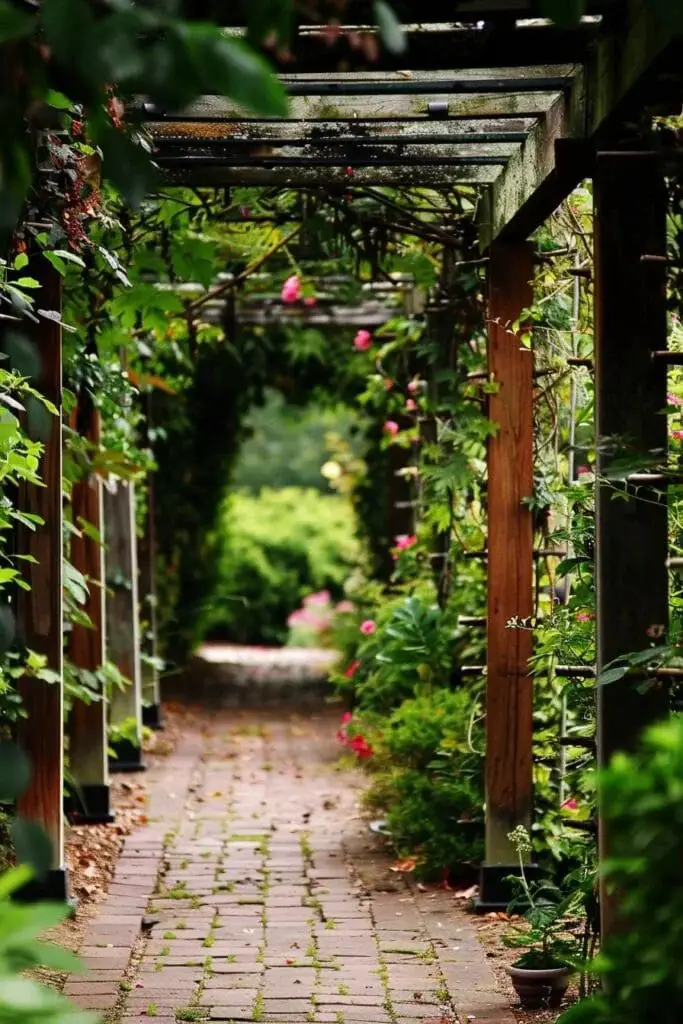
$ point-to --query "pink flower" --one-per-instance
(368, 627)
(322, 597)
(361, 748)
(344, 607)
(291, 290)
(677, 435)
(414, 387)
(583, 617)
(362, 341)
(391, 428)
(570, 805)
(350, 673)
(310, 301)
(411, 405)
(405, 541)
(347, 716)
(674, 399)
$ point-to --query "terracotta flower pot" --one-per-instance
(540, 987)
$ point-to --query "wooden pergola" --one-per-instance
(468, 102)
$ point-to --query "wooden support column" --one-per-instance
(509, 690)
(630, 390)
(87, 729)
(39, 611)
(147, 550)
(151, 689)
(123, 630)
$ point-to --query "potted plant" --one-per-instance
(542, 973)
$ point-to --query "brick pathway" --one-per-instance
(260, 895)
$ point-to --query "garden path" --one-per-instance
(255, 892)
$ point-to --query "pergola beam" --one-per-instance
(619, 69)
(530, 181)
(397, 107)
(202, 172)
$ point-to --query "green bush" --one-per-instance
(275, 548)
(640, 964)
(428, 777)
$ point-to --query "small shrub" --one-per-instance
(276, 548)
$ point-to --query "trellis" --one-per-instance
(524, 135)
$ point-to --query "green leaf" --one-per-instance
(32, 846)
(55, 958)
(14, 23)
(58, 100)
(20, 261)
(389, 26)
(14, 879)
(15, 772)
(233, 69)
(565, 13)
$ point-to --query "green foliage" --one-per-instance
(428, 776)
(275, 548)
(550, 912)
(639, 964)
(24, 1000)
(286, 446)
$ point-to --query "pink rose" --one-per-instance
(674, 399)
(405, 541)
(414, 387)
(310, 301)
(677, 435)
(391, 428)
(583, 617)
(368, 627)
(411, 405)
(362, 341)
(291, 290)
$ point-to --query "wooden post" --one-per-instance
(39, 611)
(151, 689)
(87, 727)
(509, 690)
(123, 630)
(147, 549)
(630, 391)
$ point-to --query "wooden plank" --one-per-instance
(621, 68)
(421, 131)
(200, 174)
(39, 611)
(509, 691)
(123, 628)
(326, 108)
(529, 189)
(630, 390)
(87, 727)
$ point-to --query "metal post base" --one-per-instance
(128, 757)
(52, 887)
(151, 717)
(89, 805)
(495, 891)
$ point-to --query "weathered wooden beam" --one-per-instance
(444, 45)
(123, 628)
(330, 108)
(617, 80)
(529, 189)
(200, 173)
(39, 611)
(87, 726)
(420, 131)
(339, 317)
(509, 690)
(630, 393)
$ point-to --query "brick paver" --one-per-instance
(254, 877)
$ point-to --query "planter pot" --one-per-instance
(540, 988)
